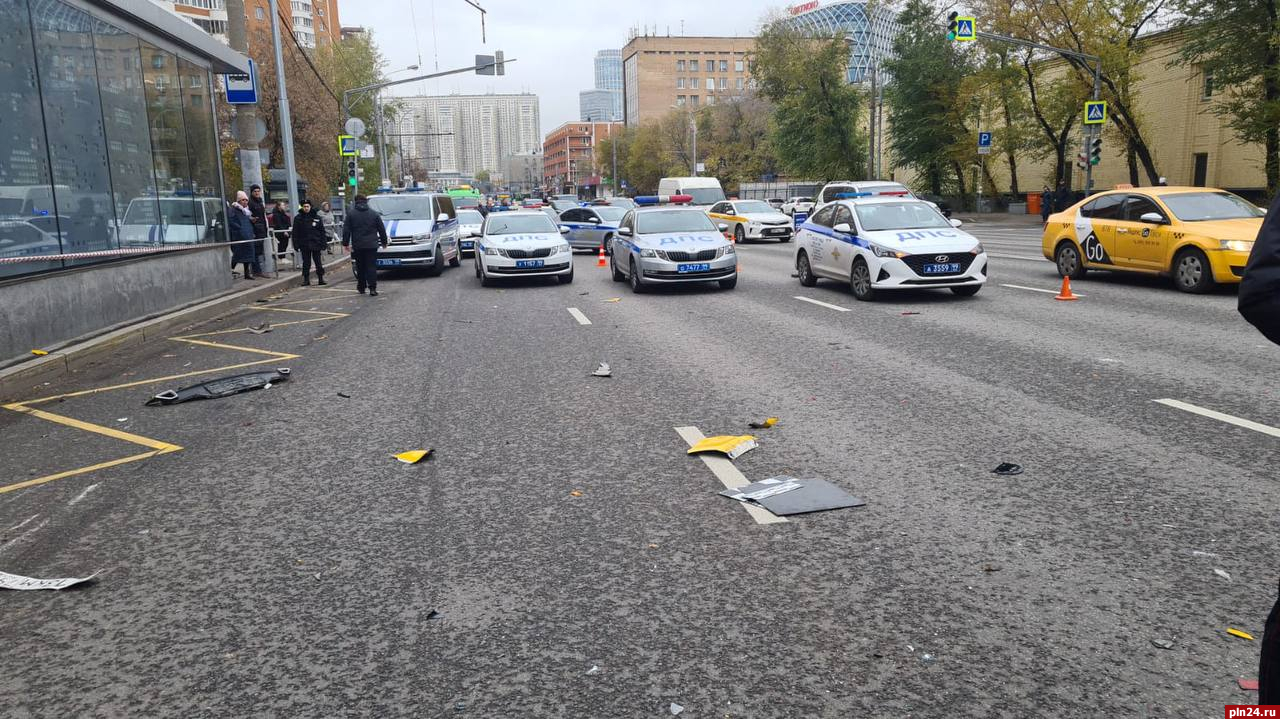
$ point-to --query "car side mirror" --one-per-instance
(722, 227)
(843, 228)
(957, 223)
(594, 220)
(564, 230)
(624, 232)
(442, 217)
(1154, 218)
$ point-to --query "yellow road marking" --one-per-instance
(273, 325)
(86, 470)
(334, 315)
(219, 345)
(306, 301)
(86, 426)
(153, 380)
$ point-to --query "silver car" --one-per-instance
(664, 245)
(590, 228)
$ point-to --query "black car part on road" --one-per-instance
(221, 387)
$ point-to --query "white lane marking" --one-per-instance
(837, 308)
(1037, 289)
(82, 495)
(23, 536)
(24, 523)
(729, 476)
(577, 315)
(1247, 424)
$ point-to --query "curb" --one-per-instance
(16, 379)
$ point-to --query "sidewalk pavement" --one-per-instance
(999, 218)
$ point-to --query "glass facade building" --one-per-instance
(108, 138)
(608, 78)
(871, 27)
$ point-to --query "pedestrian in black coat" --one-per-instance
(258, 214)
(282, 224)
(1063, 199)
(310, 239)
(364, 233)
(1046, 205)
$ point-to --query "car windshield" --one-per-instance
(610, 214)
(648, 223)
(466, 202)
(753, 206)
(802, 199)
(469, 217)
(899, 216)
(705, 195)
(625, 203)
(1204, 206)
(562, 205)
(402, 206)
(515, 224)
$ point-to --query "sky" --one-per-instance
(553, 42)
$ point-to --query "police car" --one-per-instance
(590, 228)
(662, 243)
(882, 243)
(469, 222)
(522, 244)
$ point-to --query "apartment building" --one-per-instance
(661, 73)
(314, 22)
(568, 155)
(464, 134)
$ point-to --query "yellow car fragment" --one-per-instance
(731, 447)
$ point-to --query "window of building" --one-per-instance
(711, 65)
(1206, 91)
(738, 82)
(724, 66)
(737, 66)
(693, 100)
(680, 100)
(711, 99)
(679, 65)
(679, 83)
(711, 83)
(693, 83)
(724, 83)
(260, 14)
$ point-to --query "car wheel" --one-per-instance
(637, 284)
(967, 290)
(1192, 272)
(608, 245)
(1068, 260)
(457, 258)
(729, 283)
(485, 280)
(739, 236)
(613, 267)
(566, 279)
(437, 267)
(860, 281)
(807, 278)
(477, 264)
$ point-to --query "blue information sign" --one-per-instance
(243, 89)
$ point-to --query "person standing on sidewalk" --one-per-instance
(309, 238)
(1046, 205)
(330, 231)
(240, 224)
(364, 233)
(281, 224)
(258, 214)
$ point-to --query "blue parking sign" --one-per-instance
(984, 139)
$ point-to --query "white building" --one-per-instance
(486, 129)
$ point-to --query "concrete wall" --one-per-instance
(41, 312)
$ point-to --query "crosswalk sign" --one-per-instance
(1095, 112)
(965, 29)
(347, 146)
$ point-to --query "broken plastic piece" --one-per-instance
(344, 395)
(414, 456)
(1162, 643)
(263, 328)
(221, 387)
(19, 582)
(1008, 468)
(787, 495)
(614, 300)
(765, 424)
(39, 353)
(675, 708)
(575, 493)
(908, 314)
(1237, 633)
(593, 670)
(1222, 573)
(603, 370)
(1249, 685)
(732, 447)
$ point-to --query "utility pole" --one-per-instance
(382, 135)
(613, 145)
(871, 124)
(246, 115)
(286, 123)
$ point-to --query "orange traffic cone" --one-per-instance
(1065, 294)
(600, 259)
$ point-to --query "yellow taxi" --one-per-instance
(1199, 236)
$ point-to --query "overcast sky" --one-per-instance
(553, 42)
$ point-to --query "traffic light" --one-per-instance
(352, 171)
(1095, 150)
(952, 25)
(359, 174)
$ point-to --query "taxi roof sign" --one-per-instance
(1095, 112)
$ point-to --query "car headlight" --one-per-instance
(727, 250)
(648, 253)
(560, 248)
(422, 237)
(1237, 245)
(495, 251)
(886, 252)
(978, 250)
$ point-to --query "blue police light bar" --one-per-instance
(383, 191)
(849, 195)
(663, 199)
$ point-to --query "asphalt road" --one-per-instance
(283, 564)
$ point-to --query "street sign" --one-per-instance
(367, 153)
(485, 65)
(966, 29)
(347, 146)
(355, 126)
(1095, 112)
(984, 143)
(242, 89)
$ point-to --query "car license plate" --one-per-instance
(527, 264)
(468, 245)
(701, 267)
(388, 263)
(943, 269)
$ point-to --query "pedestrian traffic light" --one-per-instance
(951, 25)
(1082, 161)
(359, 174)
(1095, 150)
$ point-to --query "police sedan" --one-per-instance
(522, 244)
(469, 222)
(659, 243)
(887, 243)
(590, 228)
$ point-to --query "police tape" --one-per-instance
(135, 251)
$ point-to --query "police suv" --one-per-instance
(882, 243)
(661, 242)
(422, 228)
(522, 244)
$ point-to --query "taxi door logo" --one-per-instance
(1094, 251)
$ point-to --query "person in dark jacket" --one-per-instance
(310, 239)
(364, 233)
(240, 225)
(1046, 205)
(281, 224)
(1259, 303)
(1063, 199)
(258, 214)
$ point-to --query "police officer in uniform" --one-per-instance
(364, 233)
(310, 239)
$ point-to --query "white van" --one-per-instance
(705, 191)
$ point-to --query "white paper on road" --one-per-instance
(775, 487)
(17, 581)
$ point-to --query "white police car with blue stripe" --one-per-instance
(886, 243)
(590, 228)
(665, 245)
(422, 229)
(522, 244)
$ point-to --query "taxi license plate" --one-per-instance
(388, 263)
(527, 264)
(702, 267)
(943, 269)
